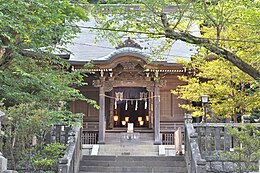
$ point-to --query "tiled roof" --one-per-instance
(85, 48)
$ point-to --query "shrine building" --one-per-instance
(129, 86)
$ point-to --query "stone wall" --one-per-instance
(216, 165)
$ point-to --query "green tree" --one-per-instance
(232, 93)
(36, 85)
(247, 152)
(27, 27)
(223, 24)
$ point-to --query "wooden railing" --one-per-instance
(89, 137)
(71, 160)
(168, 131)
(194, 162)
(170, 126)
(168, 138)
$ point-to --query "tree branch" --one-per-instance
(222, 52)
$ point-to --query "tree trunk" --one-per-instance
(7, 58)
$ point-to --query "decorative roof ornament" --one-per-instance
(129, 43)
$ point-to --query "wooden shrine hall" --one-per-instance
(130, 87)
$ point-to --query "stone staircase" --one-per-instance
(130, 156)
(116, 138)
(128, 149)
(132, 164)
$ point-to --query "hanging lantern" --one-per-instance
(147, 118)
(140, 119)
(141, 123)
(123, 123)
(115, 118)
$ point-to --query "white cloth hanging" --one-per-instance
(136, 105)
(121, 96)
(126, 106)
(145, 100)
(117, 96)
(145, 104)
(115, 104)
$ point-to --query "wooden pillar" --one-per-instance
(157, 138)
(102, 121)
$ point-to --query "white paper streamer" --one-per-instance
(121, 96)
(126, 106)
(136, 105)
(115, 104)
(145, 104)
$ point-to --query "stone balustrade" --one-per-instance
(208, 142)
(71, 160)
(195, 163)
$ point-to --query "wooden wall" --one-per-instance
(91, 114)
(170, 111)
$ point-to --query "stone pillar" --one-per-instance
(187, 118)
(63, 165)
(201, 165)
(102, 121)
(157, 138)
(3, 163)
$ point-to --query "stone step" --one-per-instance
(116, 138)
(133, 169)
(129, 146)
(123, 149)
(156, 163)
(130, 154)
(134, 164)
(146, 150)
(133, 158)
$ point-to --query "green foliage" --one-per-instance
(37, 86)
(221, 23)
(25, 81)
(224, 24)
(247, 152)
(27, 123)
(47, 157)
(41, 23)
(232, 94)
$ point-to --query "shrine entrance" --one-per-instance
(131, 105)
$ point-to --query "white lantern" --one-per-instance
(204, 98)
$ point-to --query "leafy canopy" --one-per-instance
(222, 24)
(37, 86)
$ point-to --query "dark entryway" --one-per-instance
(131, 106)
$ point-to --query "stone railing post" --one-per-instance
(193, 157)
(193, 151)
(187, 118)
(201, 166)
(63, 165)
(3, 163)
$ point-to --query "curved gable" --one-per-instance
(127, 54)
